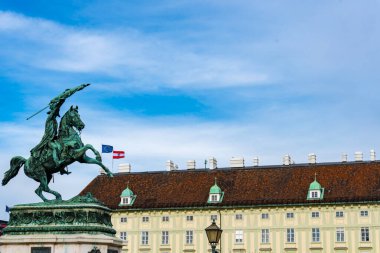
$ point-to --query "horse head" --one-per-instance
(73, 119)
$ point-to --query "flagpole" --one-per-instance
(112, 163)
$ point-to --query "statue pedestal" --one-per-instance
(61, 243)
(80, 225)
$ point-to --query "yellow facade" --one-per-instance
(278, 220)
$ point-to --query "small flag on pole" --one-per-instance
(7, 209)
(118, 154)
(107, 148)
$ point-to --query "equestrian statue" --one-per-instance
(59, 147)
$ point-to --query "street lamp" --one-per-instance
(213, 235)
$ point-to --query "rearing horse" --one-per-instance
(71, 148)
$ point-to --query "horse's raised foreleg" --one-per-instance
(80, 155)
(86, 159)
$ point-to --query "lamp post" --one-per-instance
(213, 235)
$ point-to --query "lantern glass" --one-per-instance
(213, 233)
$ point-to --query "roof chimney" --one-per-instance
(312, 158)
(124, 167)
(237, 162)
(170, 165)
(212, 163)
(372, 155)
(344, 158)
(358, 156)
(255, 161)
(191, 165)
(286, 160)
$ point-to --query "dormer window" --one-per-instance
(314, 194)
(214, 197)
(127, 197)
(315, 190)
(125, 200)
(215, 194)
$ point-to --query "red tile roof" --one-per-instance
(269, 185)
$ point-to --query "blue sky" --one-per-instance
(187, 80)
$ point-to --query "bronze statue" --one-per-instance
(58, 148)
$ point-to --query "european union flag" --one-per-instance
(7, 209)
(107, 149)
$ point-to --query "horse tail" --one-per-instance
(16, 163)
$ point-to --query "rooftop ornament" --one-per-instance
(59, 147)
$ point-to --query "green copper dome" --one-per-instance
(215, 189)
(127, 193)
(315, 185)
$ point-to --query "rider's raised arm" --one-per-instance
(56, 103)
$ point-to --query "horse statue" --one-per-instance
(57, 149)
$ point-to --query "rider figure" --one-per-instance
(51, 129)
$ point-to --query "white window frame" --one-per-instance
(340, 234)
(364, 234)
(144, 238)
(364, 213)
(189, 237)
(165, 218)
(125, 200)
(189, 218)
(145, 219)
(290, 235)
(315, 235)
(214, 197)
(315, 214)
(239, 236)
(238, 216)
(164, 237)
(265, 235)
(123, 236)
(265, 216)
(290, 215)
(339, 214)
(123, 219)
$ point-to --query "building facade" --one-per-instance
(313, 207)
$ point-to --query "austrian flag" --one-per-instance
(118, 154)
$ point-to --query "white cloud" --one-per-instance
(122, 54)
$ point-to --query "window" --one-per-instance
(340, 234)
(265, 235)
(123, 236)
(365, 234)
(165, 237)
(315, 214)
(189, 218)
(189, 237)
(364, 213)
(264, 216)
(214, 217)
(165, 218)
(123, 219)
(144, 237)
(290, 235)
(214, 197)
(339, 214)
(314, 194)
(239, 216)
(289, 215)
(125, 200)
(315, 235)
(239, 236)
(145, 219)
